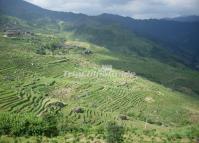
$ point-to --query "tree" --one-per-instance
(50, 126)
(114, 133)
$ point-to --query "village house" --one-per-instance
(12, 33)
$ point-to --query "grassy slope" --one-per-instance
(26, 85)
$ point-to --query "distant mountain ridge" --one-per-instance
(28, 11)
(191, 18)
(179, 37)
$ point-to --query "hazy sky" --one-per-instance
(133, 8)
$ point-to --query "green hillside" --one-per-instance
(136, 54)
(41, 74)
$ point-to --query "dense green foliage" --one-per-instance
(28, 125)
(114, 133)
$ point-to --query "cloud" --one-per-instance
(114, 2)
(133, 8)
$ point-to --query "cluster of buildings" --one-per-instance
(16, 33)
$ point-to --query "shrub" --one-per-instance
(149, 132)
(5, 123)
(41, 51)
(50, 126)
(100, 130)
(114, 133)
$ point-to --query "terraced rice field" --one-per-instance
(91, 117)
(40, 82)
(29, 102)
(115, 99)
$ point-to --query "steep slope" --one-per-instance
(34, 82)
